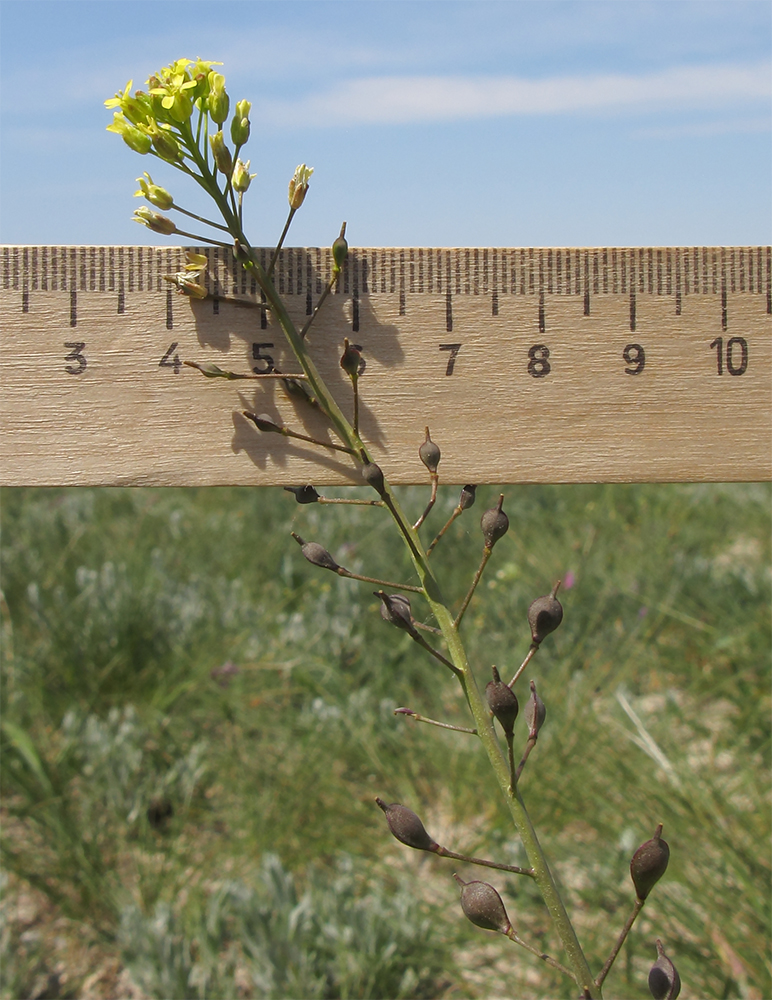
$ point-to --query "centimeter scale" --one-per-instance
(528, 365)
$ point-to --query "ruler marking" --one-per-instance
(542, 320)
(73, 307)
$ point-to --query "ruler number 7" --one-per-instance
(454, 349)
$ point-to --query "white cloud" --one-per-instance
(403, 99)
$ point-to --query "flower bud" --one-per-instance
(240, 123)
(649, 864)
(298, 187)
(483, 906)
(135, 138)
(535, 713)
(502, 702)
(664, 981)
(158, 223)
(395, 609)
(467, 498)
(218, 101)
(494, 524)
(156, 195)
(429, 453)
(303, 494)
(407, 827)
(373, 475)
(339, 251)
(350, 360)
(221, 153)
(544, 616)
(241, 177)
(316, 554)
(164, 143)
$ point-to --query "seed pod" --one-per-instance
(467, 498)
(407, 827)
(544, 616)
(502, 702)
(494, 524)
(316, 554)
(535, 713)
(649, 863)
(373, 475)
(297, 389)
(483, 906)
(664, 981)
(429, 453)
(263, 422)
(350, 360)
(303, 494)
(395, 609)
(339, 250)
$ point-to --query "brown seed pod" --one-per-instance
(544, 616)
(502, 702)
(351, 359)
(649, 863)
(303, 494)
(407, 827)
(373, 475)
(535, 713)
(483, 906)
(429, 453)
(494, 524)
(467, 498)
(664, 981)
(395, 609)
(264, 422)
(316, 554)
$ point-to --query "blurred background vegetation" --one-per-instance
(196, 723)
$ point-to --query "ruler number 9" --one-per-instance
(635, 356)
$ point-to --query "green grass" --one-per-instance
(164, 812)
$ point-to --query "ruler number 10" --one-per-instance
(735, 357)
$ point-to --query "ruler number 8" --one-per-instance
(538, 366)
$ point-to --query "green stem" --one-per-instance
(444, 618)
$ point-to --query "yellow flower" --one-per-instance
(298, 186)
(138, 140)
(158, 223)
(241, 177)
(156, 195)
(240, 123)
(137, 107)
(221, 153)
(218, 101)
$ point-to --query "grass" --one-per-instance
(196, 723)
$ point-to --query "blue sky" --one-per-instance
(429, 123)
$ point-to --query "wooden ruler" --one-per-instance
(528, 365)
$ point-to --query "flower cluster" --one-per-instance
(179, 119)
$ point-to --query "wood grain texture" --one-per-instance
(699, 408)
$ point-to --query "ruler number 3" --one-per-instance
(76, 355)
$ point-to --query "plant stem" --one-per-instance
(620, 941)
(448, 626)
